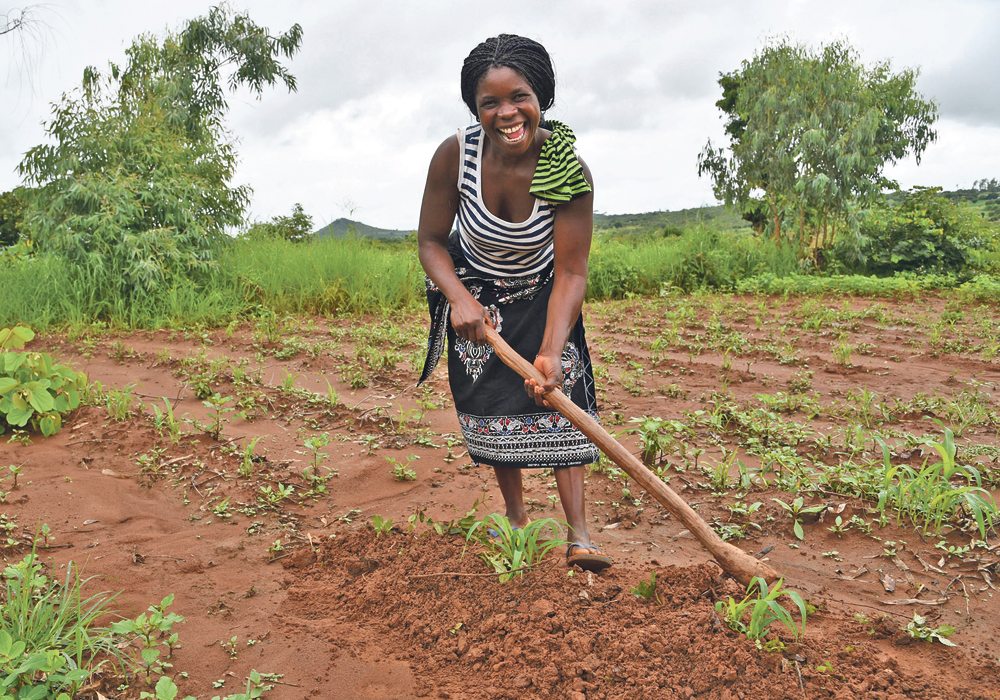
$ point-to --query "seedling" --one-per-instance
(381, 525)
(216, 403)
(646, 589)
(152, 629)
(15, 471)
(919, 629)
(743, 509)
(512, 551)
(272, 497)
(231, 646)
(401, 471)
(119, 403)
(249, 457)
(165, 422)
(953, 551)
(797, 509)
(761, 603)
(839, 527)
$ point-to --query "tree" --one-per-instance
(136, 188)
(810, 134)
(296, 228)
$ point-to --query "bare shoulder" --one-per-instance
(586, 171)
(444, 163)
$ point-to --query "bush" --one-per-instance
(11, 214)
(925, 232)
(34, 391)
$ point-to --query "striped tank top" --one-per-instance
(492, 245)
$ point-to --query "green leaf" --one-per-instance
(797, 528)
(166, 689)
(20, 412)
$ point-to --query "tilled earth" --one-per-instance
(310, 592)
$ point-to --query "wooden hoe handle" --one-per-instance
(733, 560)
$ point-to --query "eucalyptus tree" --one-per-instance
(136, 186)
(810, 135)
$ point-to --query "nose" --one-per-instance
(507, 109)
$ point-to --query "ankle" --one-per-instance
(517, 519)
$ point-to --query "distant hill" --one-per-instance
(984, 196)
(341, 227)
(718, 216)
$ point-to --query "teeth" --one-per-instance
(511, 129)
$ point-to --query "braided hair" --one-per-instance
(526, 56)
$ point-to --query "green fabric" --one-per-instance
(559, 176)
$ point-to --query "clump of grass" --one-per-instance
(762, 605)
(511, 551)
(49, 638)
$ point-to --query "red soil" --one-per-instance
(343, 614)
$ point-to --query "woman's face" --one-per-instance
(508, 110)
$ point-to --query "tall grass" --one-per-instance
(358, 275)
(699, 257)
(327, 275)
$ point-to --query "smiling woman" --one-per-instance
(518, 261)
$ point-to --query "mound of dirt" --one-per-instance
(555, 634)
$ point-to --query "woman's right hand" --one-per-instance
(468, 318)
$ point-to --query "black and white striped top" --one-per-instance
(492, 245)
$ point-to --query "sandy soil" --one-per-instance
(340, 612)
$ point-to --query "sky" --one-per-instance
(378, 87)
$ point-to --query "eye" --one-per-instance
(521, 97)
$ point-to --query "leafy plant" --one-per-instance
(401, 471)
(762, 606)
(797, 509)
(50, 643)
(153, 629)
(35, 392)
(119, 402)
(381, 525)
(511, 551)
(919, 629)
(218, 410)
(646, 589)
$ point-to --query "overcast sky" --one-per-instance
(379, 87)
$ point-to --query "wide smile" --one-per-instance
(515, 133)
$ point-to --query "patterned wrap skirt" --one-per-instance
(501, 424)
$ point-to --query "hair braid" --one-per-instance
(526, 56)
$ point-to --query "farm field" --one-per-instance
(250, 498)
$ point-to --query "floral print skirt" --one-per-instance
(501, 424)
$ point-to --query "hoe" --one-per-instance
(733, 561)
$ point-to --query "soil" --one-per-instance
(341, 612)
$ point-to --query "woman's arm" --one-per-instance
(437, 214)
(574, 227)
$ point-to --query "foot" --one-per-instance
(517, 521)
(587, 556)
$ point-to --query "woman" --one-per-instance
(518, 261)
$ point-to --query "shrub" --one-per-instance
(34, 391)
(925, 232)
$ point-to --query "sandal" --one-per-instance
(587, 556)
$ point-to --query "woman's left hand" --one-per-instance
(551, 368)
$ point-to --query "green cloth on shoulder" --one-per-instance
(559, 176)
